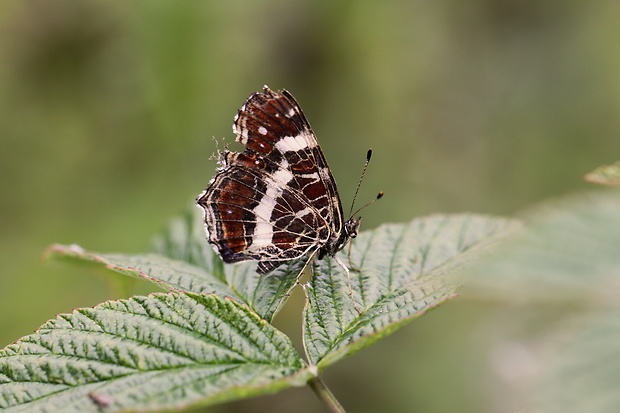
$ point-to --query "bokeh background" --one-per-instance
(108, 112)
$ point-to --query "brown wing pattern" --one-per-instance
(277, 200)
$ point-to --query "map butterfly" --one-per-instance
(277, 200)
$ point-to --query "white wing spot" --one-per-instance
(314, 175)
(283, 176)
(262, 130)
(303, 212)
(294, 143)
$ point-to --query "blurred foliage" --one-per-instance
(605, 175)
(558, 351)
(108, 109)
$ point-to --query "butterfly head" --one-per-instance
(339, 241)
(351, 227)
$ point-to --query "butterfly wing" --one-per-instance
(277, 200)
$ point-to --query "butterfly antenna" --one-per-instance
(359, 184)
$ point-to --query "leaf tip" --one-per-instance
(605, 175)
(63, 251)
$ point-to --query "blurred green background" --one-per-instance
(108, 112)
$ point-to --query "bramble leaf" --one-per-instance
(569, 252)
(186, 262)
(404, 270)
(563, 268)
(163, 351)
(125, 354)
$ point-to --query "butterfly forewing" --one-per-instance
(274, 125)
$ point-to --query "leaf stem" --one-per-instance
(327, 397)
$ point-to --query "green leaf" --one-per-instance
(186, 262)
(167, 273)
(405, 270)
(164, 351)
(605, 175)
(569, 252)
(563, 268)
(185, 240)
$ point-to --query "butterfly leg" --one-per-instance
(303, 269)
(353, 267)
(349, 282)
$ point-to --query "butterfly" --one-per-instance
(277, 200)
